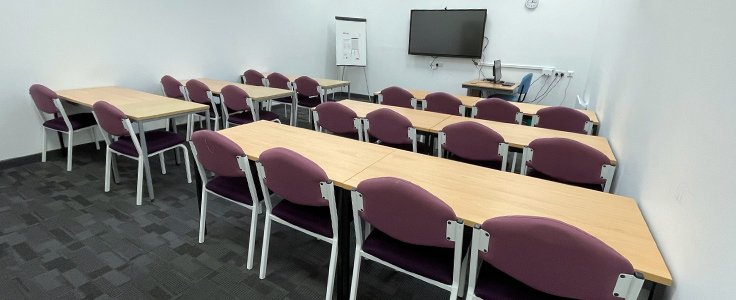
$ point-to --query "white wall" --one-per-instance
(87, 43)
(661, 83)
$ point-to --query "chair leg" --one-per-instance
(186, 163)
(217, 124)
(43, 145)
(356, 275)
(264, 250)
(69, 147)
(162, 160)
(252, 238)
(331, 272)
(108, 166)
(139, 189)
(513, 164)
(202, 215)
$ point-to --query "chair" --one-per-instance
(523, 88)
(197, 91)
(391, 129)
(563, 119)
(172, 88)
(47, 102)
(413, 232)
(526, 257)
(444, 103)
(253, 77)
(114, 122)
(279, 81)
(308, 205)
(237, 100)
(309, 93)
(338, 119)
(495, 109)
(568, 161)
(473, 143)
(233, 179)
(396, 96)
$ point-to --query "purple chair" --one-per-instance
(563, 119)
(496, 109)
(526, 257)
(309, 93)
(396, 96)
(568, 161)
(233, 179)
(47, 102)
(253, 77)
(197, 91)
(413, 232)
(172, 88)
(473, 143)
(114, 122)
(338, 119)
(279, 81)
(308, 203)
(391, 129)
(238, 108)
(444, 103)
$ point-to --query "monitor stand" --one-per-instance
(492, 80)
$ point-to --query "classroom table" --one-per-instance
(468, 101)
(493, 88)
(257, 93)
(140, 107)
(326, 84)
(421, 120)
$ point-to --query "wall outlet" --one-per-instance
(548, 72)
(439, 64)
(559, 74)
(569, 73)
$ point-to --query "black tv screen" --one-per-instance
(454, 33)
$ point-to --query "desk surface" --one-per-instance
(531, 109)
(422, 120)
(468, 101)
(475, 83)
(136, 105)
(477, 194)
(340, 157)
(519, 136)
(255, 92)
(324, 83)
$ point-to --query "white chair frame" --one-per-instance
(607, 170)
(70, 133)
(503, 149)
(357, 124)
(412, 133)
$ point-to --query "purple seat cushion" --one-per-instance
(496, 285)
(155, 140)
(316, 219)
(283, 100)
(308, 102)
(246, 117)
(481, 163)
(540, 175)
(77, 121)
(233, 188)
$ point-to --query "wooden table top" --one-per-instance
(468, 101)
(323, 82)
(477, 194)
(422, 120)
(136, 105)
(255, 92)
(519, 136)
(340, 157)
(489, 85)
(531, 109)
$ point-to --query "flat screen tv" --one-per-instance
(451, 33)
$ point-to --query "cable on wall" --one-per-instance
(565, 96)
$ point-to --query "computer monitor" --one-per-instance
(497, 71)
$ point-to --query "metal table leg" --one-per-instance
(293, 110)
(144, 155)
(343, 272)
(176, 151)
(348, 91)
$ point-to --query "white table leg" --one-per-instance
(146, 163)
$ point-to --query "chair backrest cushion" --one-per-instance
(253, 77)
(336, 117)
(217, 153)
(562, 118)
(307, 86)
(197, 91)
(496, 109)
(171, 87)
(396, 96)
(293, 176)
(389, 126)
(110, 118)
(470, 140)
(278, 81)
(567, 160)
(443, 103)
(525, 83)
(235, 98)
(554, 257)
(406, 211)
(44, 97)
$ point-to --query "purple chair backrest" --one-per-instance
(198, 91)
(44, 97)
(110, 118)
(172, 87)
(217, 153)
(278, 81)
(253, 77)
(496, 109)
(293, 177)
(396, 96)
(406, 211)
(389, 126)
(336, 117)
(443, 103)
(554, 257)
(562, 118)
(235, 98)
(473, 141)
(307, 86)
(568, 160)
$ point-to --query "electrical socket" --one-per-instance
(548, 71)
(569, 73)
(559, 74)
(439, 64)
